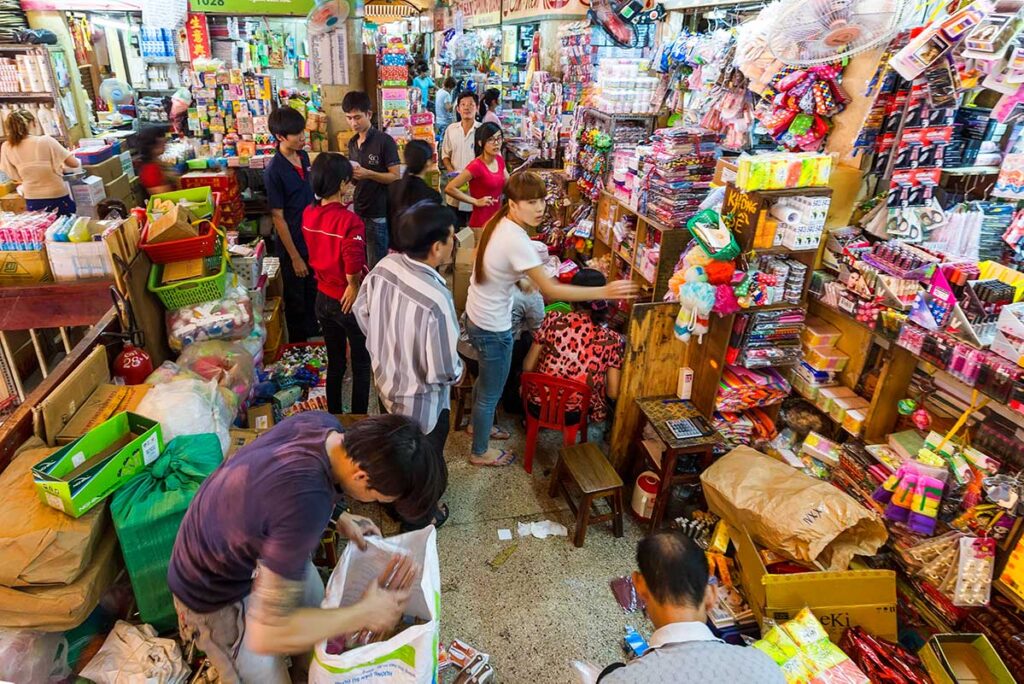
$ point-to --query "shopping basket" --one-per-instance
(189, 292)
(203, 245)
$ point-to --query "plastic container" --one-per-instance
(203, 245)
(645, 492)
(203, 197)
(197, 164)
(94, 155)
(189, 292)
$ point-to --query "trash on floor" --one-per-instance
(542, 529)
(504, 535)
(502, 557)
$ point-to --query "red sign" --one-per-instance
(198, 36)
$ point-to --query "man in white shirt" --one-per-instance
(457, 148)
(673, 582)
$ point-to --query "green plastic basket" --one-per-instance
(147, 513)
(189, 292)
(559, 307)
(202, 197)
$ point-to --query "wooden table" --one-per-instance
(656, 411)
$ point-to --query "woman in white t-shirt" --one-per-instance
(36, 164)
(505, 255)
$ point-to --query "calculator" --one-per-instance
(688, 428)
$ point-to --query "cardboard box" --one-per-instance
(13, 202)
(73, 261)
(273, 319)
(838, 599)
(88, 190)
(725, 171)
(76, 477)
(465, 257)
(120, 189)
(126, 164)
(104, 403)
(25, 268)
(238, 438)
(261, 418)
(59, 407)
(107, 170)
(963, 659)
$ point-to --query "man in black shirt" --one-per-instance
(375, 165)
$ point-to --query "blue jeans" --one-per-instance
(494, 350)
(376, 240)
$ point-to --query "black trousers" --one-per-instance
(510, 399)
(341, 330)
(462, 218)
(299, 296)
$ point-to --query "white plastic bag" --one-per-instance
(136, 655)
(30, 656)
(188, 407)
(409, 657)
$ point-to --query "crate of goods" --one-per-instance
(71, 261)
(202, 204)
(27, 267)
(147, 513)
(88, 190)
(96, 154)
(205, 288)
(75, 478)
(247, 263)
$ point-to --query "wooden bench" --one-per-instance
(586, 467)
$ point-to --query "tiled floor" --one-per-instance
(549, 604)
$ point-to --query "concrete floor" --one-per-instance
(549, 604)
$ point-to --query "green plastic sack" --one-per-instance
(147, 513)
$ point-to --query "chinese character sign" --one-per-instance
(198, 33)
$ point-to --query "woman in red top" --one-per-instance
(486, 176)
(336, 239)
(152, 176)
(577, 346)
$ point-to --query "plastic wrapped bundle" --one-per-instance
(147, 512)
(229, 318)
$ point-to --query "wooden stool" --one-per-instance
(586, 467)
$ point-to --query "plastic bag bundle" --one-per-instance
(30, 656)
(189, 407)
(136, 655)
(147, 513)
(229, 318)
(229, 364)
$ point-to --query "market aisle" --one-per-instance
(549, 603)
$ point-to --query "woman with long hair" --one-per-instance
(411, 187)
(504, 255)
(151, 143)
(489, 107)
(486, 176)
(36, 163)
(336, 239)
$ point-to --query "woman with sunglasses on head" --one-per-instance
(505, 254)
(486, 176)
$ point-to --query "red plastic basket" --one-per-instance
(203, 245)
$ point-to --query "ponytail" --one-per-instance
(485, 237)
(521, 186)
(18, 126)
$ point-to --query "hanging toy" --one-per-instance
(696, 300)
(921, 419)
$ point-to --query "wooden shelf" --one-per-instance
(26, 96)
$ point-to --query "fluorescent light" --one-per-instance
(112, 23)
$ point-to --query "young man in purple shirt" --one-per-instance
(244, 586)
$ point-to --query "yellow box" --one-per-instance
(25, 268)
(825, 359)
(963, 659)
(818, 333)
(13, 202)
(838, 599)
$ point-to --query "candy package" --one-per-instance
(974, 571)
(229, 318)
(801, 648)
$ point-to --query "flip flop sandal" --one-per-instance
(505, 458)
(472, 669)
(496, 433)
(440, 517)
(486, 674)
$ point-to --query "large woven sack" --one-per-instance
(147, 513)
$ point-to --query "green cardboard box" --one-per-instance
(963, 659)
(76, 477)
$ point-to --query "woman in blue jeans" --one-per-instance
(505, 255)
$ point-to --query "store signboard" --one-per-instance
(198, 36)
(253, 7)
(536, 10)
(81, 5)
(479, 13)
